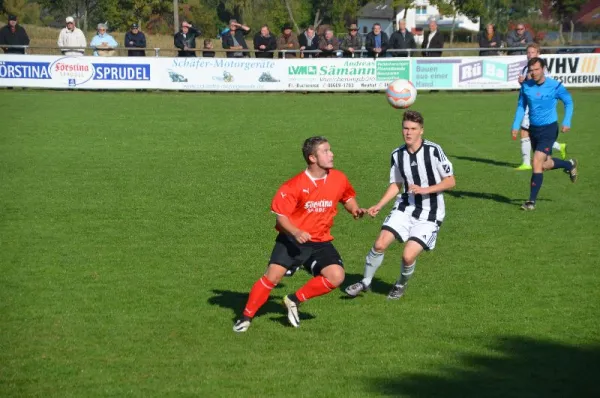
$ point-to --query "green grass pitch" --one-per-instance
(132, 226)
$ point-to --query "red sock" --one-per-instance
(258, 296)
(317, 286)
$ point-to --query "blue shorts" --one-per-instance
(543, 137)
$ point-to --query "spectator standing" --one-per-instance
(13, 34)
(235, 40)
(287, 41)
(377, 42)
(103, 43)
(329, 45)
(489, 39)
(519, 38)
(264, 43)
(433, 39)
(207, 49)
(351, 45)
(309, 41)
(71, 36)
(136, 39)
(185, 40)
(402, 39)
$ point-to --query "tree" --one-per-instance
(563, 11)
(469, 8)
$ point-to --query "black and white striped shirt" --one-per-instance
(426, 167)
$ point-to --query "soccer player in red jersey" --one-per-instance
(305, 207)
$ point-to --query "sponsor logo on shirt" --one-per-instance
(318, 206)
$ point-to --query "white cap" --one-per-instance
(70, 19)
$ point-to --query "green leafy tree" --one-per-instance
(451, 8)
(563, 11)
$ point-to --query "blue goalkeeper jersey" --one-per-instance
(541, 100)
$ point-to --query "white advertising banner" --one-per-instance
(251, 74)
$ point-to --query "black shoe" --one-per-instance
(528, 206)
(396, 292)
(573, 171)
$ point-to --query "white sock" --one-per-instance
(405, 273)
(526, 151)
(556, 146)
(372, 263)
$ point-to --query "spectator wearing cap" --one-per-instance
(402, 39)
(135, 39)
(329, 44)
(13, 34)
(489, 39)
(264, 43)
(185, 40)
(103, 43)
(309, 41)
(377, 42)
(235, 40)
(287, 41)
(71, 36)
(519, 38)
(351, 44)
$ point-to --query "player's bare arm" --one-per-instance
(392, 191)
(446, 184)
(289, 228)
(353, 208)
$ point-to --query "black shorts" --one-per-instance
(543, 137)
(314, 256)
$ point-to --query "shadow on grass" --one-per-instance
(236, 301)
(377, 286)
(486, 161)
(518, 367)
(489, 196)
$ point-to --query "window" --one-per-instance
(421, 10)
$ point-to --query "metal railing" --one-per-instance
(361, 53)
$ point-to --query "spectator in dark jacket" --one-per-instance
(433, 39)
(377, 42)
(402, 39)
(519, 38)
(351, 45)
(329, 45)
(185, 40)
(13, 34)
(264, 42)
(489, 39)
(309, 40)
(207, 50)
(235, 40)
(287, 42)
(135, 38)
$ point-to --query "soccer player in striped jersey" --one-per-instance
(420, 173)
(305, 207)
(533, 51)
(540, 95)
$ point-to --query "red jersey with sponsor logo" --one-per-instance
(311, 203)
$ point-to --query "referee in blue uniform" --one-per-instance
(541, 95)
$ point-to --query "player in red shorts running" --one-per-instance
(305, 207)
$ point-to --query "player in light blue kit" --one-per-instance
(541, 95)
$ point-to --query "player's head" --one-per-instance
(533, 50)
(317, 151)
(536, 68)
(412, 127)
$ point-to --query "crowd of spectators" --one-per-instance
(308, 44)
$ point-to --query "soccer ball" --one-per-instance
(401, 93)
